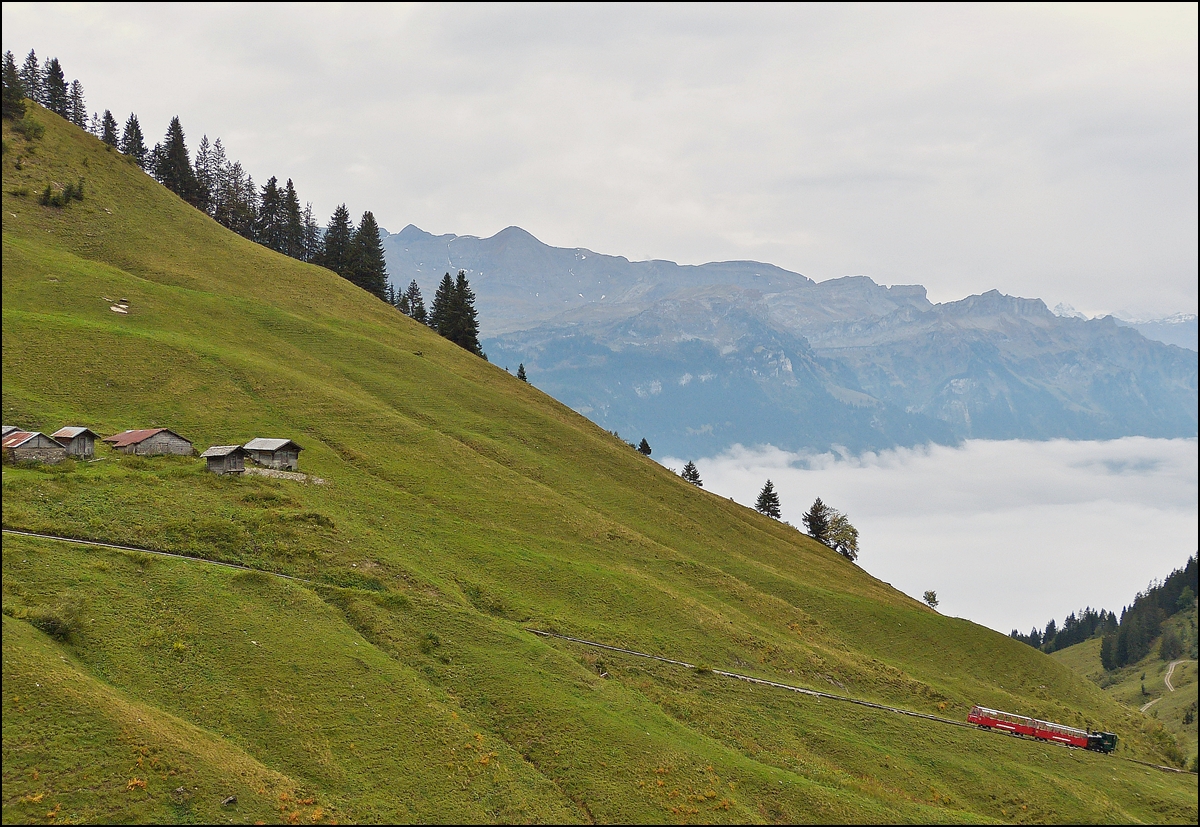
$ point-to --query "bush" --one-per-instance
(1171, 646)
(31, 130)
(61, 621)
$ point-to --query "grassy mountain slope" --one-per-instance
(398, 681)
(1142, 683)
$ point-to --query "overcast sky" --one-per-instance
(1046, 151)
(1009, 534)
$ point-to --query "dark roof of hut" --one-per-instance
(261, 444)
(223, 451)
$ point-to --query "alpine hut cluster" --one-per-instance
(77, 441)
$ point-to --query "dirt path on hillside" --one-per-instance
(1167, 681)
(1171, 671)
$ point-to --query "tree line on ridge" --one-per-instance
(223, 189)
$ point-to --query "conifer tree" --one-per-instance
(367, 267)
(206, 177)
(173, 168)
(416, 304)
(312, 235)
(32, 79)
(77, 109)
(108, 129)
(133, 143)
(466, 323)
(401, 302)
(58, 96)
(338, 236)
(293, 223)
(269, 229)
(521, 372)
(442, 307)
(390, 296)
(768, 501)
(691, 474)
(644, 447)
(14, 89)
(816, 521)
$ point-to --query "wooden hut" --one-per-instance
(149, 441)
(282, 454)
(33, 445)
(80, 442)
(226, 459)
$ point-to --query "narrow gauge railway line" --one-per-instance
(818, 694)
(735, 675)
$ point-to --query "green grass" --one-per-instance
(462, 507)
(1140, 683)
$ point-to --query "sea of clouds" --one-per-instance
(1008, 533)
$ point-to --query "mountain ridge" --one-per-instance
(598, 331)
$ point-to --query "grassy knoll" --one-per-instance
(462, 506)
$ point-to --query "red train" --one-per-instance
(1047, 731)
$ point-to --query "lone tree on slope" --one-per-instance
(521, 372)
(644, 447)
(930, 597)
(690, 474)
(768, 501)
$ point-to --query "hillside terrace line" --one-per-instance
(632, 652)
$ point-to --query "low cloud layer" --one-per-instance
(1009, 534)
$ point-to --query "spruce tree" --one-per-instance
(443, 306)
(108, 129)
(367, 267)
(416, 304)
(466, 323)
(269, 229)
(816, 520)
(293, 223)
(401, 302)
(691, 474)
(768, 501)
(206, 177)
(133, 143)
(312, 234)
(521, 372)
(173, 168)
(335, 254)
(77, 109)
(31, 78)
(644, 447)
(14, 89)
(58, 96)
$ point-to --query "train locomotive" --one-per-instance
(1045, 730)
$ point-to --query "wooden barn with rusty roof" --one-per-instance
(150, 441)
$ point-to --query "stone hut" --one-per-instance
(281, 454)
(80, 442)
(33, 445)
(150, 441)
(226, 459)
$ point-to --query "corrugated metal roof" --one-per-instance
(260, 444)
(72, 431)
(222, 450)
(8, 429)
(15, 439)
(133, 437)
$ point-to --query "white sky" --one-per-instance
(1009, 534)
(1046, 151)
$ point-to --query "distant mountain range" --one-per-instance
(697, 358)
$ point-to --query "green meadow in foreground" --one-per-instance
(395, 677)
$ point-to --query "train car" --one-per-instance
(1045, 730)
